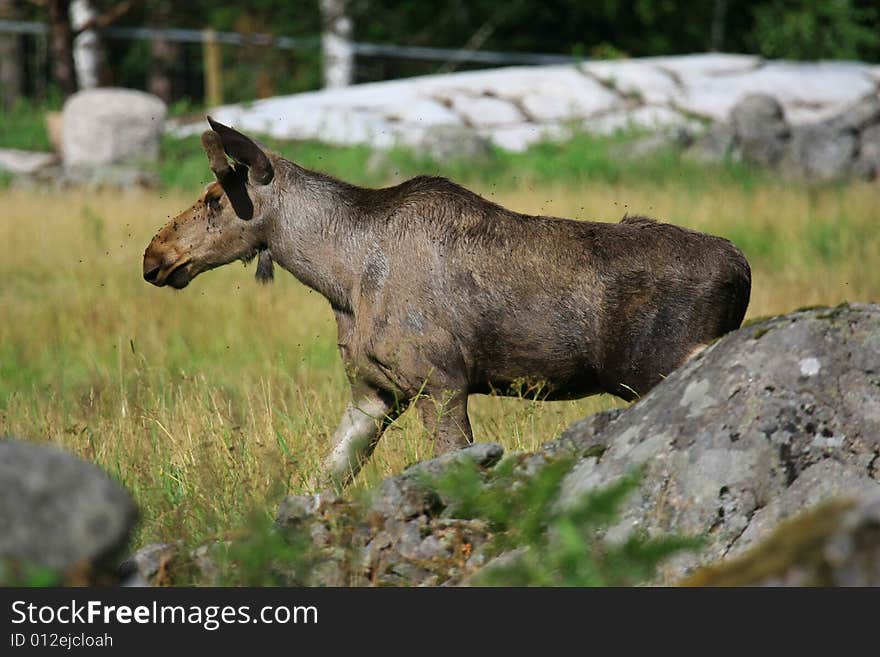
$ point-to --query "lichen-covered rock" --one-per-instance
(58, 511)
(770, 420)
(394, 536)
(150, 565)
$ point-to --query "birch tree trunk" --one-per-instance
(336, 45)
(716, 35)
(88, 52)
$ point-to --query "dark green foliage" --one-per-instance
(805, 29)
(555, 544)
(267, 557)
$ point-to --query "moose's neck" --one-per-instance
(317, 235)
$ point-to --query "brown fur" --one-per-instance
(439, 293)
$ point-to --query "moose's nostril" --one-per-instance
(151, 275)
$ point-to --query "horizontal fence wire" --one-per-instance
(304, 43)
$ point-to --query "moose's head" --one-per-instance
(227, 223)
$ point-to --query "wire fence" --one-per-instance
(306, 43)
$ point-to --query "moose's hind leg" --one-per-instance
(445, 416)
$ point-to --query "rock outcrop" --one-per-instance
(515, 107)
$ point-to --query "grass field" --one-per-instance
(215, 401)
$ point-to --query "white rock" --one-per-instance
(517, 106)
(636, 78)
(566, 96)
(808, 92)
(518, 138)
(109, 126)
(25, 162)
(648, 117)
(424, 111)
(483, 111)
(705, 64)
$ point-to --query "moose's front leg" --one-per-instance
(363, 422)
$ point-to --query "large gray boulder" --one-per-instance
(109, 126)
(771, 420)
(57, 510)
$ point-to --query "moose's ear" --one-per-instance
(216, 157)
(244, 150)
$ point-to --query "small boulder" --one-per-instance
(760, 129)
(59, 511)
(108, 126)
(151, 565)
(447, 143)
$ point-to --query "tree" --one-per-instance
(336, 46)
(164, 55)
(88, 52)
(803, 29)
(61, 46)
(10, 60)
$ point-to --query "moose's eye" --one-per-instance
(213, 203)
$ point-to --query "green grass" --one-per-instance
(24, 127)
(582, 160)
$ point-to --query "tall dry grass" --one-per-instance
(216, 400)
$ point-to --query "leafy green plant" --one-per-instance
(30, 575)
(803, 29)
(552, 544)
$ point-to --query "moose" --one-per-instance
(439, 293)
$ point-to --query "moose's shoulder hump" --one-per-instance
(637, 219)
